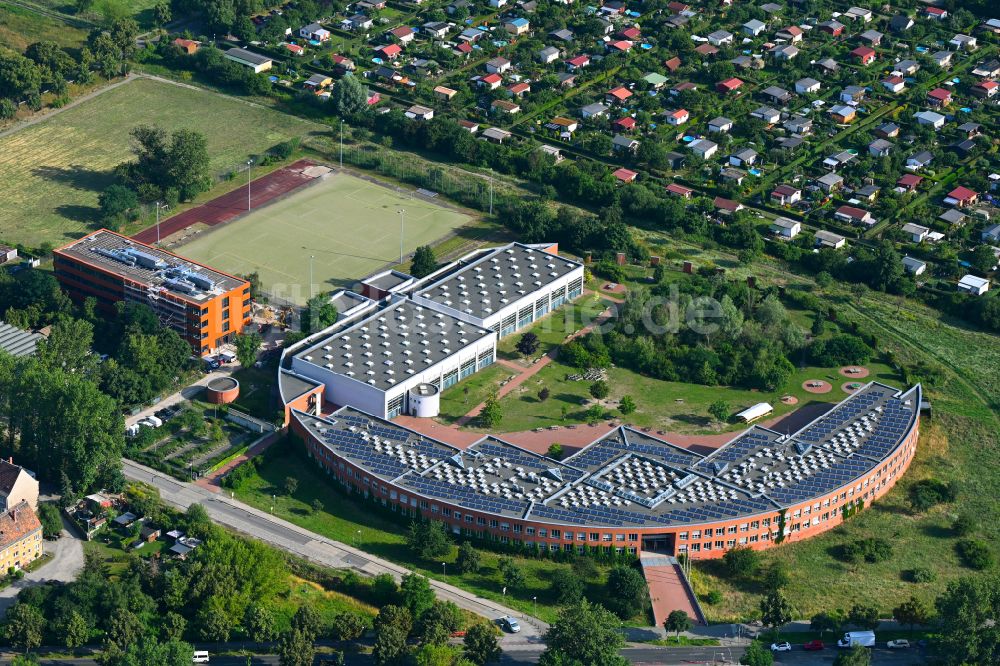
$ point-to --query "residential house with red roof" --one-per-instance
(729, 85)
(617, 95)
(939, 97)
(864, 54)
(985, 89)
(389, 51)
(678, 117)
(680, 190)
(961, 196)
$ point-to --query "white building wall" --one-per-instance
(343, 390)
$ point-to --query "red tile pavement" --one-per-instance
(211, 481)
(668, 592)
(233, 204)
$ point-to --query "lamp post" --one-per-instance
(249, 169)
(157, 222)
(311, 283)
(341, 144)
(444, 571)
(534, 606)
(402, 224)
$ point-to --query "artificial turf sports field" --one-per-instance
(349, 224)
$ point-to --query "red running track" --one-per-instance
(232, 205)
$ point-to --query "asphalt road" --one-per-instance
(641, 656)
(294, 539)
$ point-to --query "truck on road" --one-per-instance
(862, 638)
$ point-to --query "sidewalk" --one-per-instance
(186, 393)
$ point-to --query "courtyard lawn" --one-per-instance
(350, 225)
(458, 400)
(51, 173)
(350, 520)
(553, 329)
(662, 405)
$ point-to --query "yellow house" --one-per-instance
(20, 537)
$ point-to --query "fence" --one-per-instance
(249, 422)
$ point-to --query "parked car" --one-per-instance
(898, 644)
(812, 646)
(510, 624)
(200, 657)
(211, 364)
(781, 647)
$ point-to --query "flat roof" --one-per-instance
(149, 265)
(247, 56)
(485, 282)
(632, 478)
(18, 342)
(385, 347)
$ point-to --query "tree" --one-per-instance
(677, 622)
(307, 621)
(8, 109)
(627, 591)
(24, 625)
(384, 589)
(757, 654)
(117, 202)
(416, 594)
(911, 613)
(424, 263)
(469, 559)
(49, 516)
(162, 14)
(438, 623)
(76, 631)
(775, 610)
(721, 410)
(438, 655)
(480, 643)
(627, 405)
(856, 656)
(741, 562)
(259, 623)
(18, 75)
(178, 162)
(492, 413)
(528, 344)
(318, 314)
(964, 525)
(863, 617)
(566, 587)
(429, 539)
(584, 633)
(966, 613)
(291, 485)
(544, 393)
(348, 626)
(555, 451)
(511, 574)
(824, 622)
(247, 344)
(349, 96)
(295, 648)
(392, 626)
(600, 389)
(983, 259)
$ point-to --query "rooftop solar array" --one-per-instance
(630, 478)
(387, 346)
(495, 278)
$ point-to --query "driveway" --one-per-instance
(65, 565)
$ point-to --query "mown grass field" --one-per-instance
(20, 27)
(51, 173)
(354, 522)
(350, 225)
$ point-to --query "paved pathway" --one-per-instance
(327, 552)
(667, 590)
(186, 393)
(65, 565)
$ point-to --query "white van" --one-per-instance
(200, 657)
(862, 638)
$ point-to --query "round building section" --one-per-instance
(222, 390)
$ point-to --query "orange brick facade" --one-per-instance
(699, 540)
(204, 324)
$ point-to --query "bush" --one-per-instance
(927, 493)
(964, 525)
(974, 554)
(921, 575)
(866, 550)
(713, 597)
(741, 562)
